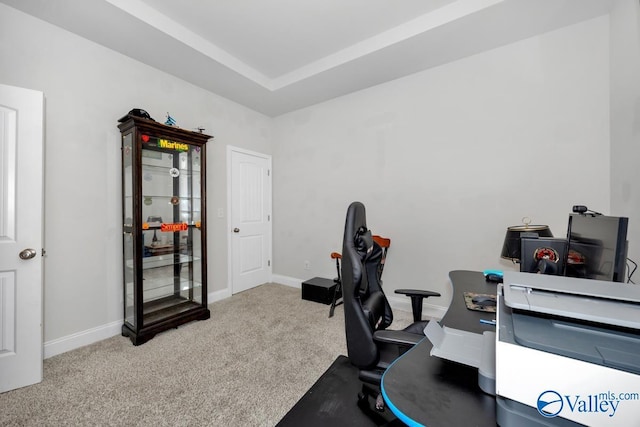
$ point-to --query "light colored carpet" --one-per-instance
(246, 366)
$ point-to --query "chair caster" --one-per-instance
(380, 403)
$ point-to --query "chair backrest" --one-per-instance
(366, 308)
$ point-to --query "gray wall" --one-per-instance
(446, 159)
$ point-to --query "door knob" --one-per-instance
(27, 253)
(236, 230)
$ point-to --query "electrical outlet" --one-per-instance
(307, 265)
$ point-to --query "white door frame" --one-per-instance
(230, 150)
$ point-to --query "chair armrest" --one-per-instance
(416, 300)
(416, 292)
(401, 338)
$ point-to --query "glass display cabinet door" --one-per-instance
(128, 230)
(171, 240)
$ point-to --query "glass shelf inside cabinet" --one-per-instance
(162, 277)
(165, 261)
(168, 281)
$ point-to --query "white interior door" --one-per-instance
(21, 230)
(250, 219)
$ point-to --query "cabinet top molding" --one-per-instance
(155, 128)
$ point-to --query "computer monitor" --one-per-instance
(597, 247)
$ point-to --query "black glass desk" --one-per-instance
(424, 390)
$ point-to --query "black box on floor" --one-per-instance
(319, 289)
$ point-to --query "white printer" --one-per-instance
(567, 352)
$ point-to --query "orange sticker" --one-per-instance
(145, 225)
(197, 224)
(174, 227)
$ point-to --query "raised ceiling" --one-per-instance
(275, 56)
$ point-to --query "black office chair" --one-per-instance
(370, 346)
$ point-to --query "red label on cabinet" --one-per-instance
(174, 227)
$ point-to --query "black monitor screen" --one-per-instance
(597, 247)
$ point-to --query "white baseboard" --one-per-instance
(288, 281)
(218, 295)
(428, 310)
(80, 339)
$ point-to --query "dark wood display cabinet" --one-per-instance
(164, 226)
